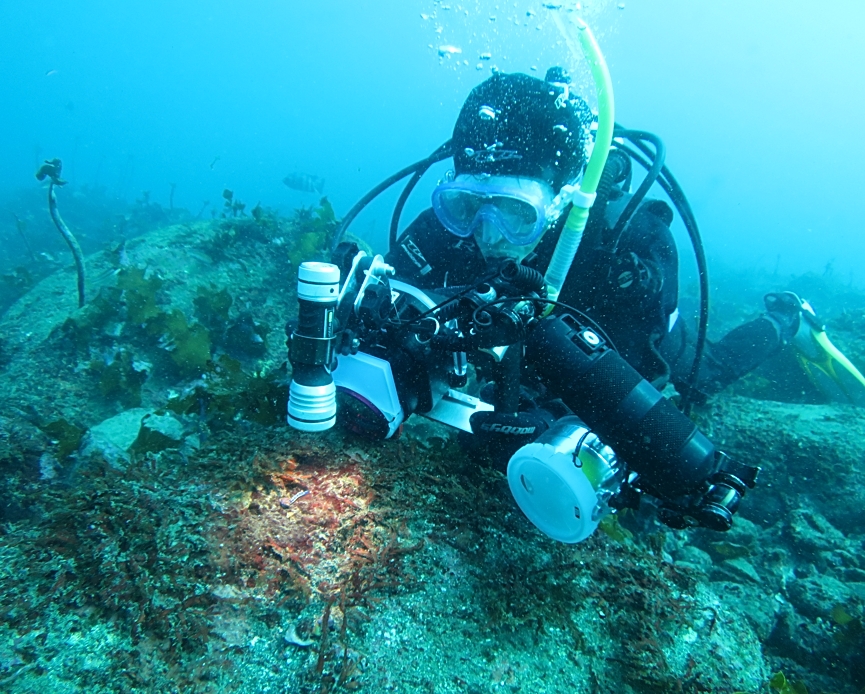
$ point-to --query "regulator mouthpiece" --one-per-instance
(312, 394)
(563, 481)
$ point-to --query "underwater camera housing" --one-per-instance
(384, 350)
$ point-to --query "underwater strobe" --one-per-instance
(312, 394)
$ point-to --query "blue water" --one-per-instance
(758, 103)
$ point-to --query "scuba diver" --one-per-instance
(538, 266)
(517, 143)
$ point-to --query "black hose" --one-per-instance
(677, 196)
(393, 233)
(617, 166)
(657, 159)
(524, 278)
(442, 152)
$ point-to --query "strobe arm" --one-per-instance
(674, 461)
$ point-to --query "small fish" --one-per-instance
(286, 502)
(51, 72)
(213, 163)
(305, 183)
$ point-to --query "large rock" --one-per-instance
(806, 451)
(158, 432)
(113, 438)
(134, 431)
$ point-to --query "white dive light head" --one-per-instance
(312, 393)
(562, 481)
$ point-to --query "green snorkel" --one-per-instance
(584, 194)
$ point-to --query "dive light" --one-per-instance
(312, 394)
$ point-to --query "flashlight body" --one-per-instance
(312, 393)
(671, 456)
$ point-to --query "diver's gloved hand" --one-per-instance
(523, 427)
(500, 434)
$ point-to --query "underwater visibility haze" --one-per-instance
(509, 443)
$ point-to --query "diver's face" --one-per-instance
(514, 223)
(495, 247)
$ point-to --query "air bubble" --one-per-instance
(449, 50)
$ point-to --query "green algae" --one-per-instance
(141, 294)
(312, 232)
(779, 683)
(65, 435)
(120, 379)
(612, 528)
(257, 397)
(188, 343)
(212, 305)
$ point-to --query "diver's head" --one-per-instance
(517, 141)
(518, 125)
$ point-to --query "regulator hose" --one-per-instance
(671, 187)
(443, 152)
(660, 154)
(615, 170)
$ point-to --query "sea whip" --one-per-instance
(51, 169)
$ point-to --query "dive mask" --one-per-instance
(515, 206)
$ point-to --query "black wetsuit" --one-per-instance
(629, 286)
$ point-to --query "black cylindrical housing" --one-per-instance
(312, 394)
(645, 429)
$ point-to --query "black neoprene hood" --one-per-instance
(518, 125)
